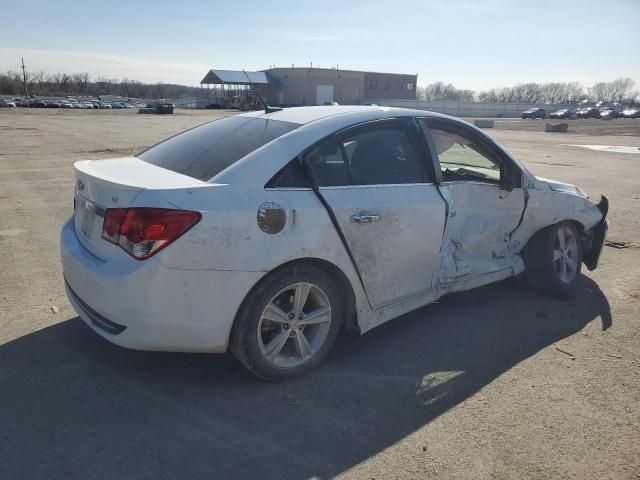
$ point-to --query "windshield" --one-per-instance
(205, 151)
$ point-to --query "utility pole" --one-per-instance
(24, 79)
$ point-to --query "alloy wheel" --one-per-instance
(566, 254)
(294, 325)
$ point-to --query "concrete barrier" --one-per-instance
(483, 123)
(556, 127)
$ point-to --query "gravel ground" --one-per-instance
(499, 382)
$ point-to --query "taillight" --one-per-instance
(142, 232)
(111, 226)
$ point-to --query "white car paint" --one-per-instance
(185, 297)
(390, 250)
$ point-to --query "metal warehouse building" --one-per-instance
(311, 86)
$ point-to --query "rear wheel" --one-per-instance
(553, 258)
(288, 323)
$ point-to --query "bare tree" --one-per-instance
(622, 88)
(80, 82)
(618, 90)
(441, 91)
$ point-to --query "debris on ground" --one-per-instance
(621, 244)
(573, 357)
(54, 309)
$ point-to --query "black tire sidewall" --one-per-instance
(244, 343)
(540, 266)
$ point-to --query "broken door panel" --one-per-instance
(476, 239)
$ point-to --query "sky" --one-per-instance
(472, 44)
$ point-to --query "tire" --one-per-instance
(547, 269)
(268, 337)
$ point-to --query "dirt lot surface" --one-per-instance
(500, 382)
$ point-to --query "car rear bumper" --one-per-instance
(94, 317)
(144, 305)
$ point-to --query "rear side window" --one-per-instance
(205, 151)
(382, 155)
(328, 165)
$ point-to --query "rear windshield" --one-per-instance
(205, 151)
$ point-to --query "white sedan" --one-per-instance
(268, 232)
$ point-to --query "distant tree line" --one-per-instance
(442, 91)
(63, 84)
(621, 90)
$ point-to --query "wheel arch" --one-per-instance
(336, 274)
(582, 231)
(585, 238)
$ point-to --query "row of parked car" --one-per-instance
(62, 103)
(586, 112)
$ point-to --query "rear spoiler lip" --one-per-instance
(173, 179)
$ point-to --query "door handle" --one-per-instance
(365, 217)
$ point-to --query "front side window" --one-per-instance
(463, 157)
(205, 151)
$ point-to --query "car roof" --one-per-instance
(305, 115)
(315, 123)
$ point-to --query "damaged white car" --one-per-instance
(268, 232)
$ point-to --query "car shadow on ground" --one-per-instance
(74, 406)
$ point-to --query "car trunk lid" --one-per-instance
(115, 183)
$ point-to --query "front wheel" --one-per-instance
(553, 258)
(288, 323)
